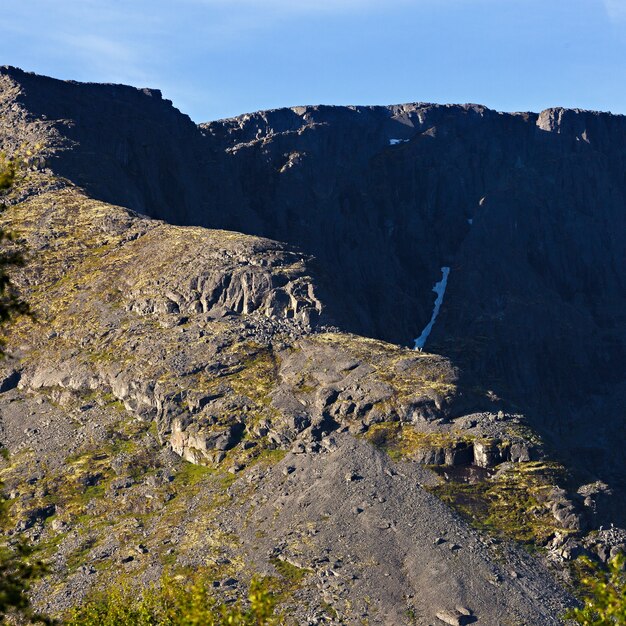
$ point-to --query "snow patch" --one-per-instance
(395, 142)
(440, 290)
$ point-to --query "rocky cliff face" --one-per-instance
(383, 197)
(525, 209)
(156, 341)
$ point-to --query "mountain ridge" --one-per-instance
(261, 323)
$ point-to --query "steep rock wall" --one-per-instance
(526, 210)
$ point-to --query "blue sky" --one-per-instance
(218, 58)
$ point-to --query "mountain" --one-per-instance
(220, 366)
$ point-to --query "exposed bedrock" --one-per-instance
(526, 209)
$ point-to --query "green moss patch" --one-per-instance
(511, 504)
(403, 441)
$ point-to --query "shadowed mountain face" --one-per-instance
(219, 388)
(527, 210)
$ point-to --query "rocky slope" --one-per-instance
(204, 337)
(159, 344)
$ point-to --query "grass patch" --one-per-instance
(402, 441)
(190, 474)
(270, 457)
(289, 578)
(290, 573)
(180, 600)
(510, 505)
(329, 609)
(92, 492)
(79, 556)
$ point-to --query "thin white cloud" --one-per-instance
(90, 39)
(99, 47)
(233, 19)
(616, 9)
(307, 6)
(107, 57)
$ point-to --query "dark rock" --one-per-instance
(37, 515)
(9, 380)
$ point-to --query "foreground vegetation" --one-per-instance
(17, 569)
(175, 602)
(605, 601)
(10, 304)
